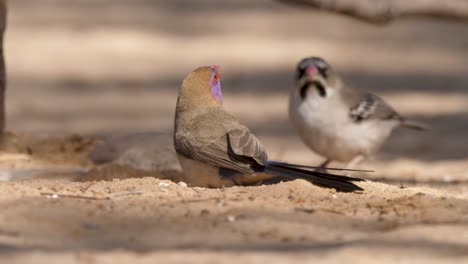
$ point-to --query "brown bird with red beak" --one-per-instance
(215, 150)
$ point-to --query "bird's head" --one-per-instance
(201, 87)
(316, 73)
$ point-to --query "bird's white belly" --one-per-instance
(331, 133)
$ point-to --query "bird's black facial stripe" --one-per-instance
(303, 90)
(305, 87)
(321, 90)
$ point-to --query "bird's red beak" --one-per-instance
(312, 70)
(215, 67)
(217, 75)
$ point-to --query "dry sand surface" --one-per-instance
(85, 217)
(86, 181)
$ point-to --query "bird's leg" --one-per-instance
(323, 167)
(354, 162)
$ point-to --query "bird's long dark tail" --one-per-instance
(293, 171)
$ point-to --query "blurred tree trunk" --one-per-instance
(384, 11)
(3, 14)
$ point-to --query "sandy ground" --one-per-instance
(92, 86)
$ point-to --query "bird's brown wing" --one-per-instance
(367, 106)
(217, 138)
(243, 143)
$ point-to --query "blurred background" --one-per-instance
(107, 66)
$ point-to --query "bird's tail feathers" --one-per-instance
(314, 167)
(415, 125)
(339, 182)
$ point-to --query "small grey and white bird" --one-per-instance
(216, 150)
(336, 121)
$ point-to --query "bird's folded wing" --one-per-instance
(214, 152)
(370, 106)
(245, 144)
(218, 139)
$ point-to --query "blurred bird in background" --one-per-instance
(215, 150)
(337, 121)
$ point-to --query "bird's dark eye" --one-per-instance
(300, 73)
(323, 71)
